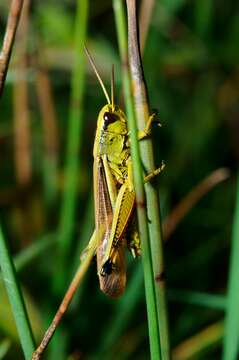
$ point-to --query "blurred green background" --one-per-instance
(191, 67)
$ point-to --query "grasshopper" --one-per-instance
(114, 194)
(114, 198)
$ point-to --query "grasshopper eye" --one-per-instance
(109, 117)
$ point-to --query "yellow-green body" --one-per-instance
(114, 198)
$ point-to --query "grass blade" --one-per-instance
(74, 136)
(154, 256)
(149, 275)
(5, 54)
(231, 340)
(16, 299)
(197, 345)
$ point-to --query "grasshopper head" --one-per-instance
(109, 117)
(111, 123)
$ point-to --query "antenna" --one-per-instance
(113, 88)
(97, 74)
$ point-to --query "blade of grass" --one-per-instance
(191, 348)
(74, 137)
(231, 339)
(189, 201)
(22, 115)
(154, 246)
(197, 298)
(50, 134)
(146, 11)
(154, 336)
(16, 299)
(81, 271)
(5, 54)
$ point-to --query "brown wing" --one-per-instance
(113, 279)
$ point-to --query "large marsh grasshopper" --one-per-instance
(114, 194)
(114, 198)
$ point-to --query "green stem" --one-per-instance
(154, 251)
(16, 299)
(74, 135)
(151, 300)
(231, 339)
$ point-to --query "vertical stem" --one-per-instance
(16, 299)
(22, 132)
(80, 273)
(50, 134)
(139, 188)
(153, 209)
(231, 340)
(74, 135)
(146, 11)
(5, 54)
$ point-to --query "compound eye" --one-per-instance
(109, 117)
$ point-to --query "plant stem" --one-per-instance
(191, 199)
(151, 299)
(153, 210)
(231, 340)
(74, 135)
(16, 299)
(213, 301)
(21, 104)
(79, 275)
(5, 54)
(50, 134)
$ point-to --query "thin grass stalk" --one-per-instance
(5, 54)
(22, 131)
(147, 157)
(154, 338)
(82, 269)
(16, 299)
(231, 339)
(74, 135)
(196, 346)
(50, 135)
(191, 199)
(212, 301)
(146, 11)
